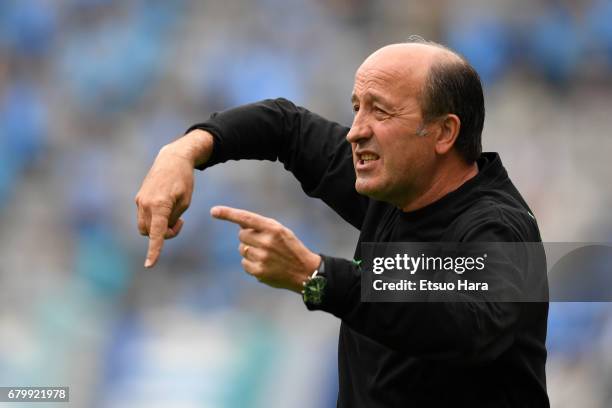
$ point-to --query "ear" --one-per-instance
(449, 130)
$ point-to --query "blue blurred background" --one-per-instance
(90, 90)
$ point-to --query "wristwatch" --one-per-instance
(314, 286)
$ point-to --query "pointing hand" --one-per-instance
(271, 252)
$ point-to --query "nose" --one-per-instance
(360, 130)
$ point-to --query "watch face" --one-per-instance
(313, 291)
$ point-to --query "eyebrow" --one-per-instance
(373, 96)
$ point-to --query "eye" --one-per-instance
(355, 108)
(379, 110)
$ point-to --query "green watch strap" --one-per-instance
(314, 287)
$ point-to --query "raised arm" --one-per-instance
(312, 148)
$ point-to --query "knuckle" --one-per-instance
(267, 242)
(161, 202)
(145, 203)
(285, 234)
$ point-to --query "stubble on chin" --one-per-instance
(365, 187)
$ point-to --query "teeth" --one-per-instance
(368, 157)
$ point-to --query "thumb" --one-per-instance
(173, 231)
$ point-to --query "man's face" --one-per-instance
(392, 157)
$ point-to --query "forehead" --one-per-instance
(389, 78)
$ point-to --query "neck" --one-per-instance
(448, 178)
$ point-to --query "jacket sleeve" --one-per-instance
(314, 149)
(471, 332)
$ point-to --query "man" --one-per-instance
(412, 171)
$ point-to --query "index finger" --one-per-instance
(244, 218)
(159, 225)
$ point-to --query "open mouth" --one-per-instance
(366, 158)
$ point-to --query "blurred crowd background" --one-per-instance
(90, 90)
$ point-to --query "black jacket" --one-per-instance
(476, 354)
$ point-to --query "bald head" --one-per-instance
(418, 54)
(410, 62)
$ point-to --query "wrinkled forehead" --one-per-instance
(391, 77)
(399, 70)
